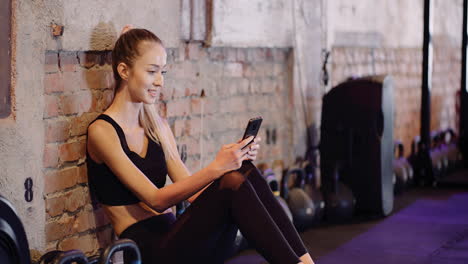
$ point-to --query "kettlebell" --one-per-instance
(272, 181)
(129, 247)
(454, 154)
(63, 257)
(300, 204)
(340, 202)
(314, 193)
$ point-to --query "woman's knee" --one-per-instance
(232, 180)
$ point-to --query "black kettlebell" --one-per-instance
(129, 247)
(300, 204)
(63, 257)
(272, 181)
(314, 193)
(340, 201)
(71, 256)
(48, 257)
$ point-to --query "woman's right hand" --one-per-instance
(231, 156)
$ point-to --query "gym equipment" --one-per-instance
(48, 257)
(340, 203)
(453, 152)
(70, 256)
(421, 161)
(399, 169)
(14, 248)
(314, 193)
(271, 180)
(128, 246)
(300, 204)
(357, 128)
(436, 157)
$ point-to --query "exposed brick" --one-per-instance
(68, 61)
(79, 124)
(56, 130)
(88, 219)
(70, 201)
(76, 103)
(73, 81)
(51, 156)
(107, 97)
(58, 229)
(53, 82)
(58, 180)
(72, 151)
(82, 174)
(88, 59)
(98, 78)
(52, 108)
(69, 104)
(86, 243)
(51, 62)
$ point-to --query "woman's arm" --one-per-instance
(178, 171)
(104, 146)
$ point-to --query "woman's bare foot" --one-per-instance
(306, 259)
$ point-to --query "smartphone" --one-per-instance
(252, 127)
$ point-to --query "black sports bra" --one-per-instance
(104, 184)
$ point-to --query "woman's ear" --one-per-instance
(123, 69)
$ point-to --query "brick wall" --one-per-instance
(237, 84)
(405, 66)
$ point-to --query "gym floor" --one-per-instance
(428, 225)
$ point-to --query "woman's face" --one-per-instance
(146, 77)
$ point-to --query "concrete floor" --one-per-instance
(428, 225)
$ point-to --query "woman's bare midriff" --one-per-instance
(123, 216)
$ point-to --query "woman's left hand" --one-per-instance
(253, 148)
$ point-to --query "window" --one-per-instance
(5, 58)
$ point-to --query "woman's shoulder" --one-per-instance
(101, 128)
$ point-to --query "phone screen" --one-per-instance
(252, 127)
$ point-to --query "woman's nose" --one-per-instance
(159, 80)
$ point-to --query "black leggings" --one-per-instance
(205, 232)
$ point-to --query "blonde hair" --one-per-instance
(126, 50)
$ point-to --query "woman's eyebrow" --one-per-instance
(157, 66)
